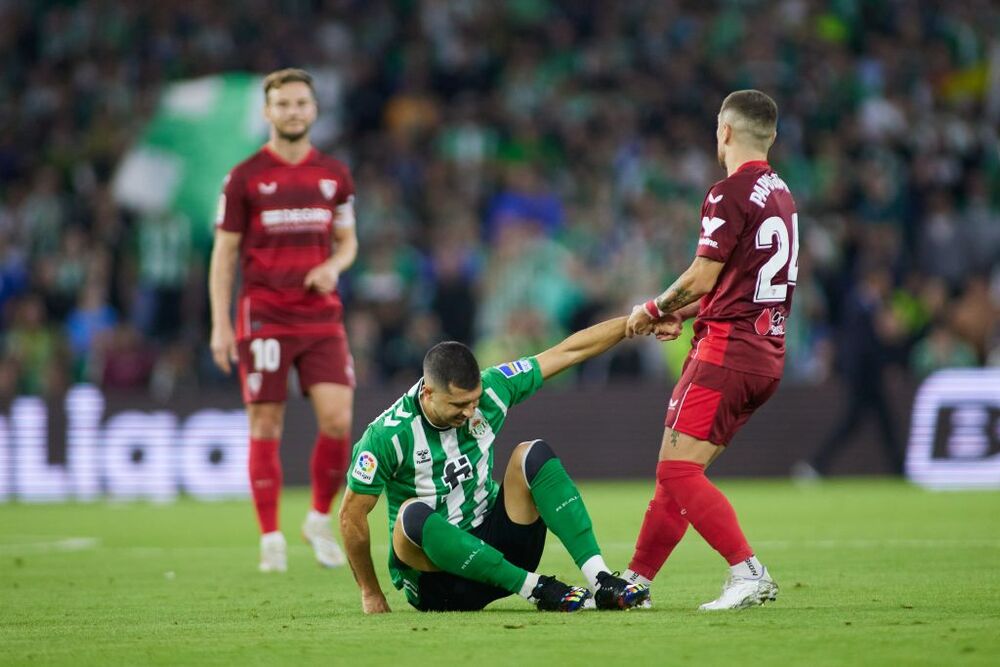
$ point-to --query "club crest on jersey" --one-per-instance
(268, 188)
(512, 368)
(365, 467)
(770, 322)
(254, 383)
(328, 187)
(477, 426)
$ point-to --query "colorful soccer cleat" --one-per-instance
(613, 592)
(550, 594)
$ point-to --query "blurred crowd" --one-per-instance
(523, 168)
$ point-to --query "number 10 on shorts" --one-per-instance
(266, 354)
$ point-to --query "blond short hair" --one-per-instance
(288, 75)
(752, 114)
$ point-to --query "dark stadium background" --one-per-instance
(523, 168)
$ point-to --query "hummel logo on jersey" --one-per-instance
(673, 403)
(709, 225)
(268, 188)
(714, 200)
(423, 455)
(328, 187)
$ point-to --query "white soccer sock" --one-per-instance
(529, 585)
(274, 537)
(748, 569)
(633, 577)
(317, 516)
(594, 566)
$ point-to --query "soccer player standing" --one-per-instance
(744, 275)
(287, 214)
(460, 540)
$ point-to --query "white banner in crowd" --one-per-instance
(955, 432)
(134, 455)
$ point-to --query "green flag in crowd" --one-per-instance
(201, 129)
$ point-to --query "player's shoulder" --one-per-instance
(507, 371)
(252, 163)
(394, 422)
(327, 161)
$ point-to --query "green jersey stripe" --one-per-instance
(481, 496)
(423, 465)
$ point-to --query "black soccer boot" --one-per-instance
(613, 592)
(550, 594)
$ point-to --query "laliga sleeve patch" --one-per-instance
(365, 467)
(512, 368)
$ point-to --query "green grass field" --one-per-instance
(871, 572)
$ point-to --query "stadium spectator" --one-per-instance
(888, 132)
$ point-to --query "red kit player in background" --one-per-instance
(287, 214)
(739, 289)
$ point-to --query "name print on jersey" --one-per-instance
(764, 186)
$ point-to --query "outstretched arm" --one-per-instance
(581, 346)
(357, 541)
(698, 280)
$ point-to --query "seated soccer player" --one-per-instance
(459, 539)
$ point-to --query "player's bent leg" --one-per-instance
(557, 500)
(332, 404)
(264, 467)
(681, 474)
(425, 541)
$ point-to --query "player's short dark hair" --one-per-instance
(451, 363)
(758, 111)
(288, 75)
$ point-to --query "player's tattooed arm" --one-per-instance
(698, 280)
(357, 541)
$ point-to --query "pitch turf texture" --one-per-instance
(871, 572)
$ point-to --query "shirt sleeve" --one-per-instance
(514, 381)
(372, 464)
(722, 222)
(344, 217)
(231, 215)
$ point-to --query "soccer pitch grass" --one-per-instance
(871, 572)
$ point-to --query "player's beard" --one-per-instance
(292, 137)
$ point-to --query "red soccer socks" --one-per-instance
(265, 482)
(704, 506)
(327, 468)
(662, 529)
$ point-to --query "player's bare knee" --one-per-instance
(336, 424)
(412, 517)
(534, 455)
(265, 424)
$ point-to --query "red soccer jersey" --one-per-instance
(749, 222)
(286, 214)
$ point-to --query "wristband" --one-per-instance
(653, 310)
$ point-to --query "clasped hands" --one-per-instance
(641, 323)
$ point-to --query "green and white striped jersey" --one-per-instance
(404, 455)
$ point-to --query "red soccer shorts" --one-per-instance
(712, 403)
(264, 365)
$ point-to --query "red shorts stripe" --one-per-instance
(712, 403)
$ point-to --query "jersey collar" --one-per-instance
(283, 161)
(420, 408)
(753, 164)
